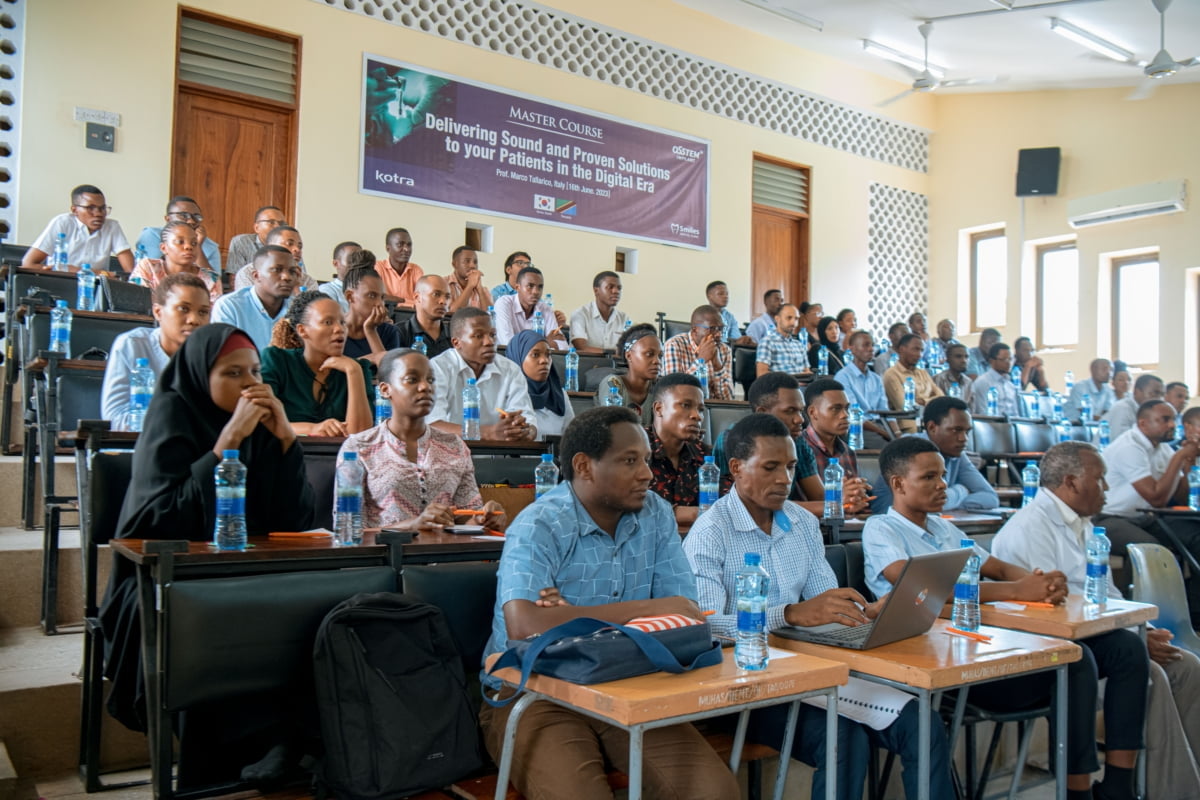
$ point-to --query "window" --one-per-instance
(1135, 309)
(1058, 295)
(989, 279)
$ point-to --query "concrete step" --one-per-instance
(39, 706)
(21, 575)
(10, 488)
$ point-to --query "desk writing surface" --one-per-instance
(967, 521)
(660, 695)
(1071, 620)
(937, 660)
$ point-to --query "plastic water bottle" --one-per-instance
(613, 398)
(993, 402)
(833, 477)
(545, 476)
(229, 533)
(1194, 488)
(1103, 435)
(628, 324)
(572, 361)
(752, 583)
(1069, 381)
(1064, 431)
(138, 255)
(539, 323)
(856, 427)
(470, 401)
(60, 328)
(141, 386)
(1095, 588)
(549, 301)
(1057, 407)
(1031, 476)
(710, 482)
(955, 390)
(1085, 408)
(59, 261)
(966, 592)
(910, 394)
(892, 359)
(383, 408)
(702, 376)
(492, 314)
(1179, 433)
(347, 512)
(1015, 376)
(419, 345)
(823, 361)
(85, 295)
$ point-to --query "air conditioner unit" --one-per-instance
(1135, 202)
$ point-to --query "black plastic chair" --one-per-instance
(745, 367)
(721, 416)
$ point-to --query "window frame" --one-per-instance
(975, 239)
(1150, 257)
(1039, 256)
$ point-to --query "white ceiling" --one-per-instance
(1017, 45)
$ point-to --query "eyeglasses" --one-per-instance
(522, 264)
(95, 209)
(186, 215)
(272, 222)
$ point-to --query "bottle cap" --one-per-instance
(833, 462)
(470, 381)
(87, 267)
(419, 338)
(1098, 531)
(965, 542)
(350, 455)
(753, 559)
(571, 349)
(61, 304)
(228, 454)
(547, 458)
(708, 460)
(141, 362)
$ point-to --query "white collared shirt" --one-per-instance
(83, 246)
(502, 385)
(511, 320)
(586, 323)
(1130, 458)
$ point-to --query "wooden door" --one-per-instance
(778, 255)
(233, 156)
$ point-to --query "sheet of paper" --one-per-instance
(871, 704)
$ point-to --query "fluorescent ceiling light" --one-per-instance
(1089, 40)
(781, 10)
(1006, 4)
(913, 62)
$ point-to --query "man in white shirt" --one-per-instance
(505, 409)
(1123, 414)
(1008, 400)
(1098, 391)
(1050, 533)
(91, 237)
(518, 312)
(597, 326)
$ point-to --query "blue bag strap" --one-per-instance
(658, 653)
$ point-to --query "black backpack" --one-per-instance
(396, 718)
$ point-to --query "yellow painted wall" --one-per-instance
(1108, 143)
(137, 81)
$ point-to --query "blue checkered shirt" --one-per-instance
(793, 555)
(555, 542)
(891, 537)
(782, 354)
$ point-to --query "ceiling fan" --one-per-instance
(1162, 65)
(926, 81)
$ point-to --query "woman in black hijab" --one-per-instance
(552, 409)
(827, 335)
(209, 398)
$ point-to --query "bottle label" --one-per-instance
(754, 621)
(1095, 570)
(349, 503)
(966, 592)
(833, 494)
(471, 412)
(231, 504)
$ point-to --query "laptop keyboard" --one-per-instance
(843, 635)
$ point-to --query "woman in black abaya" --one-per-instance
(209, 398)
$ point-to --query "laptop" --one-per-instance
(913, 604)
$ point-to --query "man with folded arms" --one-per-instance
(756, 517)
(915, 472)
(1051, 532)
(600, 545)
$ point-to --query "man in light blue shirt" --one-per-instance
(258, 307)
(977, 362)
(865, 387)
(717, 294)
(183, 209)
(1098, 390)
(756, 517)
(998, 377)
(772, 301)
(608, 547)
(342, 256)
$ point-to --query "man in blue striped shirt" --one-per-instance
(756, 517)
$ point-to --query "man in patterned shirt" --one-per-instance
(755, 517)
(781, 349)
(676, 452)
(828, 411)
(702, 343)
(609, 548)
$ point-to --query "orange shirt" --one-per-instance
(402, 286)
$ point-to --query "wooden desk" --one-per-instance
(661, 699)
(970, 523)
(937, 661)
(1072, 620)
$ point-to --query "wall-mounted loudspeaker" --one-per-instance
(1037, 171)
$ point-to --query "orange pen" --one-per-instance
(979, 637)
(709, 613)
(1036, 605)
